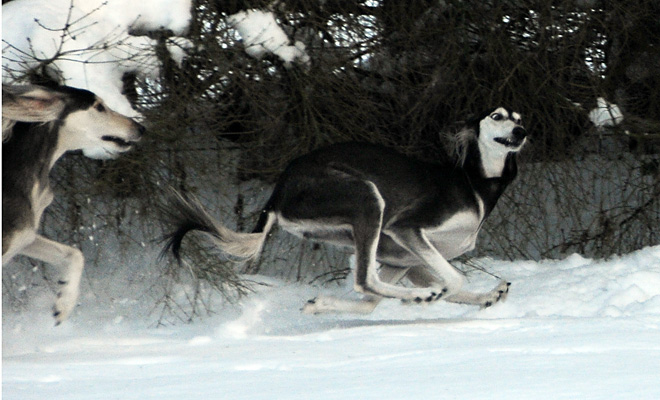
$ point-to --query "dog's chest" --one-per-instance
(457, 234)
(41, 197)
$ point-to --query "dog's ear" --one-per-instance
(31, 103)
(472, 120)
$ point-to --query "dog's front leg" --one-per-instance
(419, 276)
(70, 261)
(447, 280)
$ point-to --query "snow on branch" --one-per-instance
(261, 35)
(87, 43)
(605, 114)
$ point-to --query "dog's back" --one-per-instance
(402, 181)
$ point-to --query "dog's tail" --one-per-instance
(188, 214)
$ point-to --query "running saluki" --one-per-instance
(410, 216)
(40, 125)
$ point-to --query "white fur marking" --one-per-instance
(372, 268)
(458, 234)
(301, 227)
(41, 198)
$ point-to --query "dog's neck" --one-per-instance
(486, 164)
(489, 175)
(493, 161)
(31, 152)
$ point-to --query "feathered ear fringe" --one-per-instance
(7, 129)
(458, 144)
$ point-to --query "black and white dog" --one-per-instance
(40, 125)
(409, 216)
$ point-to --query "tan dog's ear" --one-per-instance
(31, 103)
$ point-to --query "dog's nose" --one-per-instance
(519, 132)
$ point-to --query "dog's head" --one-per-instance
(89, 125)
(496, 134)
(501, 131)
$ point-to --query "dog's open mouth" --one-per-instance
(509, 142)
(118, 141)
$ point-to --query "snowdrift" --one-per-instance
(572, 328)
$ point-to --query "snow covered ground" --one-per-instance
(570, 329)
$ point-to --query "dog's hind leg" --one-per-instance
(70, 262)
(329, 304)
(419, 276)
(339, 199)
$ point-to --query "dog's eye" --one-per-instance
(100, 107)
(496, 116)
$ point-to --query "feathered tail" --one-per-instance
(188, 214)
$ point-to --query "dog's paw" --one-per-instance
(65, 303)
(430, 295)
(323, 304)
(311, 307)
(498, 294)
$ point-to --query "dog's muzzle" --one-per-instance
(518, 135)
